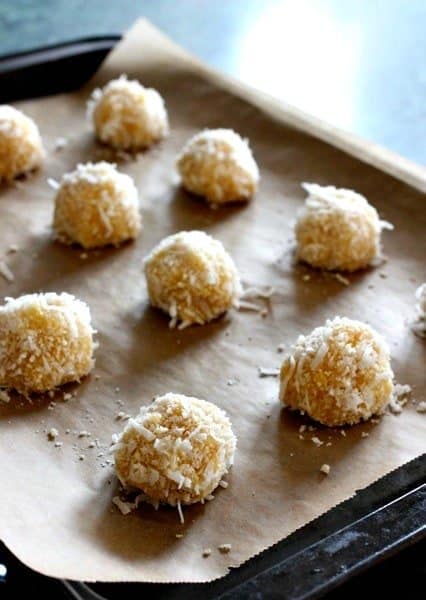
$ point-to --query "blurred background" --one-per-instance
(358, 64)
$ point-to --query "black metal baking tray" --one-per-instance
(377, 523)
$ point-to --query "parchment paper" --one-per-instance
(56, 513)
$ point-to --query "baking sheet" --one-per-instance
(56, 513)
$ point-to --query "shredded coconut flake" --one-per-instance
(4, 396)
(124, 507)
(268, 372)
(399, 399)
(421, 407)
(6, 272)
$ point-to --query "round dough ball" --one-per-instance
(128, 116)
(46, 340)
(218, 164)
(192, 278)
(21, 148)
(95, 206)
(339, 374)
(338, 229)
(176, 450)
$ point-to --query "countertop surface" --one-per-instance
(358, 64)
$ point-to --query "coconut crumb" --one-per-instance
(281, 348)
(316, 441)
(206, 552)
(6, 272)
(225, 548)
(343, 432)
(84, 433)
(257, 292)
(325, 468)
(302, 428)
(4, 396)
(58, 444)
(124, 507)
(341, 279)
(12, 249)
(52, 434)
(418, 326)
(399, 399)
(268, 372)
(223, 484)
(421, 407)
(180, 512)
(52, 183)
(122, 416)
(244, 305)
(232, 382)
(60, 144)
(81, 457)
(306, 277)
(179, 536)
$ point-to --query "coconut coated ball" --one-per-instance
(338, 229)
(46, 340)
(21, 148)
(176, 450)
(339, 374)
(218, 164)
(192, 278)
(128, 116)
(95, 206)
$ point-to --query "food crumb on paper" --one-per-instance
(84, 433)
(124, 507)
(268, 371)
(399, 398)
(52, 434)
(325, 468)
(4, 396)
(60, 144)
(6, 272)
